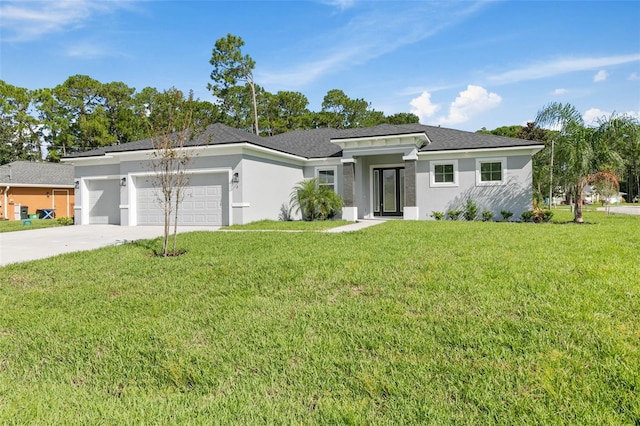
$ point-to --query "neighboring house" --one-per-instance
(591, 196)
(29, 186)
(405, 171)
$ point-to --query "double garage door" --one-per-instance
(202, 202)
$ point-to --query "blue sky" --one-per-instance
(464, 65)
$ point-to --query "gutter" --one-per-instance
(532, 148)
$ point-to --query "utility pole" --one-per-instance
(551, 178)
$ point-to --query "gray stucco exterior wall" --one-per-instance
(514, 195)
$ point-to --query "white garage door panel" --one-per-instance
(104, 202)
(201, 204)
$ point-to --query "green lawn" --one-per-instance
(16, 225)
(401, 323)
(296, 225)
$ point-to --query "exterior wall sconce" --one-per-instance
(48, 194)
(235, 179)
(123, 181)
(76, 184)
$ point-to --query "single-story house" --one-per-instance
(27, 187)
(235, 177)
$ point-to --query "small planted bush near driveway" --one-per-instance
(407, 322)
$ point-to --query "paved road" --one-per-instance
(635, 210)
(22, 246)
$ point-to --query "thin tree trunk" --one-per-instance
(255, 107)
(577, 214)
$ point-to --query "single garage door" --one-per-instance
(104, 201)
(202, 203)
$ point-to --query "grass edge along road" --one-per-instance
(405, 322)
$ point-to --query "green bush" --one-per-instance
(454, 214)
(470, 210)
(506, 215)
(437, 215)
(546, 215)
(64, 221)
(487, 215)
(537, 216)
(527, 216)
(314, 201)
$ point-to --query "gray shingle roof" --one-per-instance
(316, 143)
(33, 173)
(216, 134)
(443, 139)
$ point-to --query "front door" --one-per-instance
(388, 191)
(60, 202)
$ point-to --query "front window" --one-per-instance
(444, 173)
(491, 171)
(327, 177)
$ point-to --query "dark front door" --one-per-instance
(388, 191)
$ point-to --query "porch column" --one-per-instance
(350, 210)
(410, 211)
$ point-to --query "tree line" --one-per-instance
(82, 114)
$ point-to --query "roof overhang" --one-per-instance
(510, 150)
(416, 140)
(203, 150)
(34, 185)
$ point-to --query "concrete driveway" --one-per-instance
(22, 246)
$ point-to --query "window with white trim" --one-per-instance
(327, 177)
(491, 171)
(444, 173)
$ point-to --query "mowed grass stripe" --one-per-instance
(404, 322)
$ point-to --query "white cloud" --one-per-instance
(559, 92)
(90, 50)
(600, 76)
(633, 76)
(561, 66)
(634, 114)
(422, 106)
(24, 21)
(469, 103)
(591, 116)
(340, 4)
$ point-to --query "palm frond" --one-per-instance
(558, 116)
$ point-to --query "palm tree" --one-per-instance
(582, 154)
(315, 201)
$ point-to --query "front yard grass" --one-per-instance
(16, 225)
(401, 323)
(293, 225)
